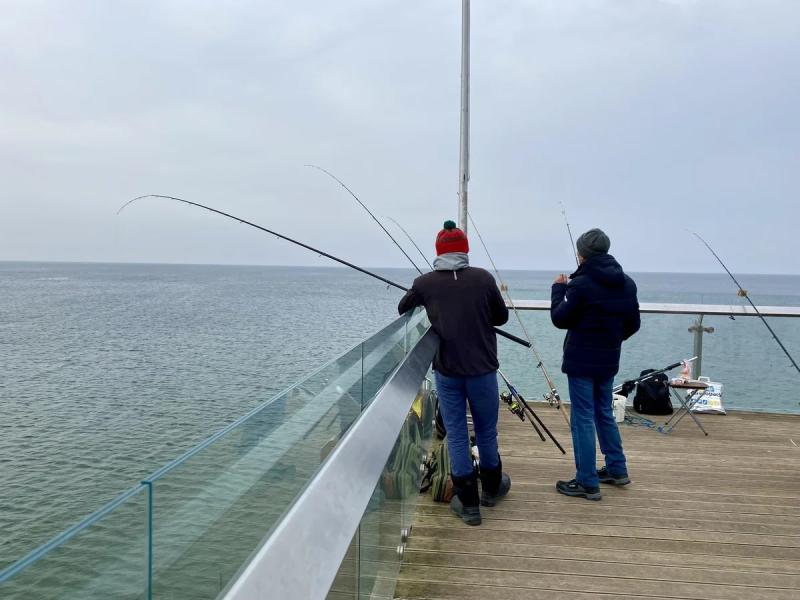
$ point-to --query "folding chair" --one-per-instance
(694, 390)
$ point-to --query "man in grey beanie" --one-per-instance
(597, 305)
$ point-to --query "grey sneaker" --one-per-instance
(573, 488)
(606, 477)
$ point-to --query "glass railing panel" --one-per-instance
(741, 354)
(105, 557)
(416, 327)
(212, 510)
(383, 352)
(345, 586)
(389, 517)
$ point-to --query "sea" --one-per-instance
(110, 371)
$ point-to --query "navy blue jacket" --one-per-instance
(599, 309)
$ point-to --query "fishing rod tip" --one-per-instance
(121, 208)
(132, 200)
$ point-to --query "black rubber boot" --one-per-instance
(465, 502)
(494, 485)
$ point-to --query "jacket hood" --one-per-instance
(451, 261)
(603, 269)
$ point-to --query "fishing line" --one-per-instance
(410, 239)
(364, 206)
(552, 397)
(498, 331)
(569, 231)
(743, 293)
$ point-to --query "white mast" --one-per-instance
(463, 162)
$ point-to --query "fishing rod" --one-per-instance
(569, 231)
(410, 239)
(389, 282)
(552, 397)
(743, 293)
(364, 206)
(627, 386)
(532, 414)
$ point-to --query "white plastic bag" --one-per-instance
(709, 400)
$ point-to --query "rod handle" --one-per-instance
(512, 337)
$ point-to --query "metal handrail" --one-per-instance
(698, 310)
(686, 309)
(302, 555)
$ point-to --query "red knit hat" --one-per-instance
(451, 239)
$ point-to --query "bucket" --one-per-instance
(619, 403)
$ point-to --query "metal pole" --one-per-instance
(698, 346)
(463, 162)
(698, 330)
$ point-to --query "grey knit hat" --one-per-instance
(592, 243)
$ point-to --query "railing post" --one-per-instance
(698, 330)
(149, 485)
(405, 335)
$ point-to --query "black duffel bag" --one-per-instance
(652, 395)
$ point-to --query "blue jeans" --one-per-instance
(482, 394)
(591, 401)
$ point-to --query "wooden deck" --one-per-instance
(714, 518)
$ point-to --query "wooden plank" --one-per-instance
(452, 530)
(594, 584)
(637, 508)
(499, 526)
(435, 590)
(617, 556)
(673, 492)
(544, 566)
(408, 589)
(594, 517)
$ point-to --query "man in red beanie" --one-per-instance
(463, 305)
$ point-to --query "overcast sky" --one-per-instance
(644, 117)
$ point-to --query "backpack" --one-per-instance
(437, 474)
(652, 396)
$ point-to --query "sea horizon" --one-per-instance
(344, 268)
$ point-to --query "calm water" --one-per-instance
(109, 371)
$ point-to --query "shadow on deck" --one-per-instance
(711, 518)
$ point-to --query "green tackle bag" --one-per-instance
(437, 476)
(401, 474)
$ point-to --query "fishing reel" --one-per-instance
(553, 399)
(513, 405)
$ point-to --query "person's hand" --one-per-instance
(562, 278)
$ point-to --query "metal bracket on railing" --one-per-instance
(405, 533)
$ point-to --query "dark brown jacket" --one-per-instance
(462, 306)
